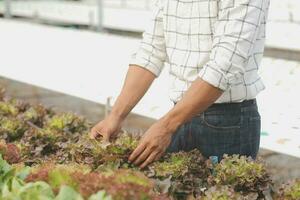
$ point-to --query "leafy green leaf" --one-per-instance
(101, 195)
(4, 167)
(68, 193)
(36, 191)
(11, 187)
(22, 172)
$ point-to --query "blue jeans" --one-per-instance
(228, 128)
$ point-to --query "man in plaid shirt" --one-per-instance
(214, 49)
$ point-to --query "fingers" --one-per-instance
(105, 137)
(137, 152)
(93, 133)
(149, 160)
(147, 157)
(143, 156)
(105, 128)
(115, 134)
(96, 132)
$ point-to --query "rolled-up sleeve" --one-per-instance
(151, 54)
(234, 34)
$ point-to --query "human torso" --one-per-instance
(188, 29)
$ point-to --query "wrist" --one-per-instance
(116, 116)
(171, 123)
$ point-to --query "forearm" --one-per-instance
(195, 100)
(137, 82)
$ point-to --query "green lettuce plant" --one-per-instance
(30, 191)
(11, 179)
(67, 122)
(8, 109)
(11, 107)
(36, 114)
(11, 129)
(101, 195)
(68, 193)
(242, 173)
(174, 165)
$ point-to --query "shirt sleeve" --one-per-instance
(151, 54)
(234, 34)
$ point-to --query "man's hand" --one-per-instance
(152, 145)
(157, 139)
(137, 82)
(107, 128)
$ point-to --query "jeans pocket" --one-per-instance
(222, 121)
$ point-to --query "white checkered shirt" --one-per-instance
(220, 41)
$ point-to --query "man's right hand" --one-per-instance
(107, 128)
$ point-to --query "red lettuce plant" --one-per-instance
(119, 184)
(187, 172)
(226, 193)
(102, 154)
(10, 152)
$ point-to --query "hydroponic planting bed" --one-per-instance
(47, 155)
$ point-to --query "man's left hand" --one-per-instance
(152, 145)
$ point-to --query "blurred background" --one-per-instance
(73, 55)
